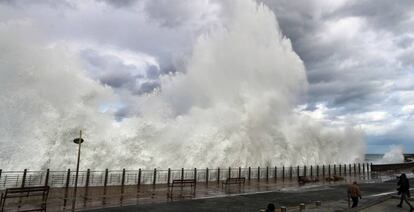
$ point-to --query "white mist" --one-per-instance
(233, 105)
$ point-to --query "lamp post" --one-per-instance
(78, 141)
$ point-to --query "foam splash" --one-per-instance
(233, 105)
(394, 155)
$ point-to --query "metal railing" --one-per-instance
(123, 177)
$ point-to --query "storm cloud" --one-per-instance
(359, 60)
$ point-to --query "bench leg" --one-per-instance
(171, 193)
(1, 203)
(44, 207)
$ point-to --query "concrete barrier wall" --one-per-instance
(392, 167)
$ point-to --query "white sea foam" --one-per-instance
(233, 105)
(394, 155)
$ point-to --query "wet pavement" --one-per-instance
(332, 196)
(253, 196)
(387, 205)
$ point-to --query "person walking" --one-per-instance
(270, 207)
(354, 193)
(404, 190)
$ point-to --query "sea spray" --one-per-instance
(234, 104)
(394, 155)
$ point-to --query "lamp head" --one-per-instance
(78, 140)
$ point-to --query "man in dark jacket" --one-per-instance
(404, 190)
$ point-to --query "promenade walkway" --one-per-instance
(332, 196)
(387, 206)
(253, 196)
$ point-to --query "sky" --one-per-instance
(358, 54)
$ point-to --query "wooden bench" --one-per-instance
(306, 179)
(181, 183)
(26, 192)
(234, 181)
(334, 178)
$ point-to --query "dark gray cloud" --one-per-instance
(359, 60)
(120, 3)
(392, 16)
(165, 13)
(178, 13)
(308, 24)
(50, 3)
(112, 71)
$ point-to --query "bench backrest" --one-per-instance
(28, 189)
(26, 192)
(189, 181)
(236, 179)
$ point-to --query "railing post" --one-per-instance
(290, 172)
(359, 168)
(229, 174)
(46, 178)
(122, 181)
(311, 171)
(283, 173)
(239, 172)
(304, 171)
(334, 167)
(340, 170)
(323, 170)
(207, 178)
(24, 177)
(66, 188)
(195, 175)
(88, 173)
(195, 178)
(363, 168)
(121, 199)
(258, 173)
(344, 169)
(317, 171)
(250, 172)
(169, 177)
(105, 183)
(349, 169)
(275, 173)
(355, 169)
(297, 171)
(182, 173)
(218, 176)
(139, 178)
(267, 173)
(154, 179)
(329, 170)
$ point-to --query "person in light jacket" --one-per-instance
(354, 193)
